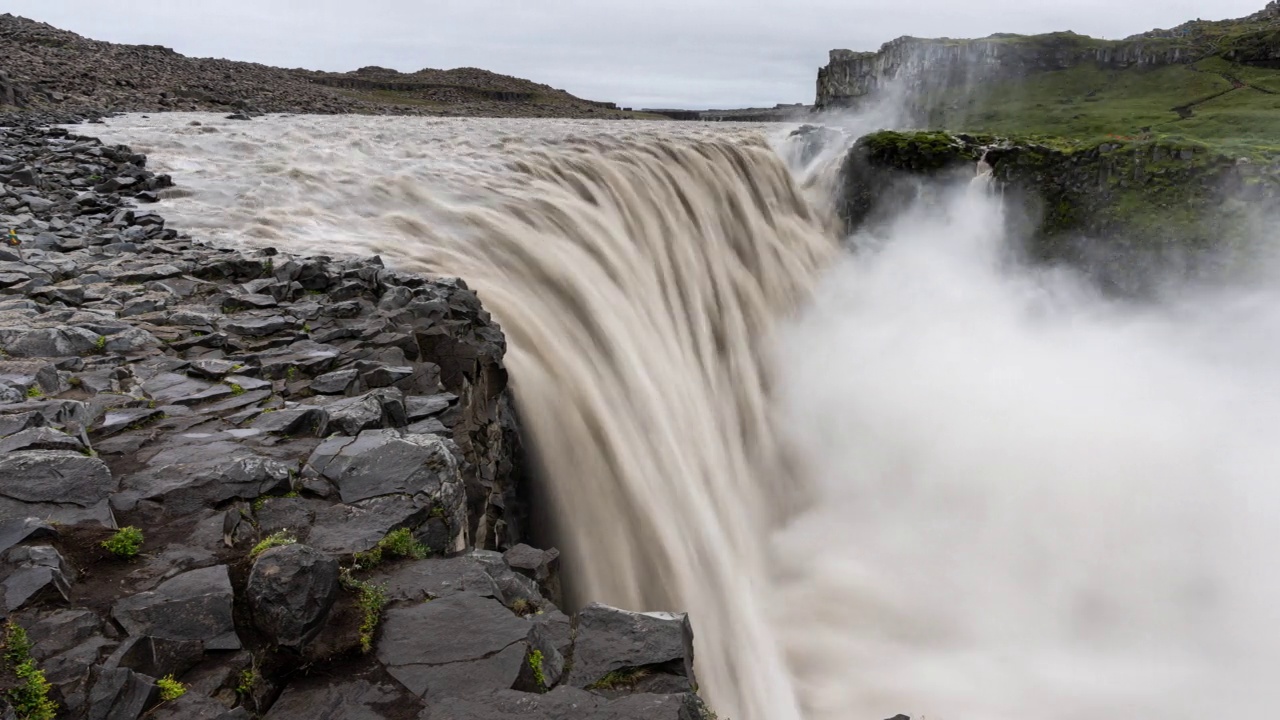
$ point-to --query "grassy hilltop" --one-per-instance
(1169, 140)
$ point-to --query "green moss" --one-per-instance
(30, 697)
(624, 679)
(34, 392)
(248, 681)
(397, 543)
(277, 539)
(170, 689)
(236, 389)
(125, 543)
(370, 600)
(535, 664)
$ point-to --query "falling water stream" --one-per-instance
(890, 473)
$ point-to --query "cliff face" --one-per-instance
(924, 66)
(1096, 205)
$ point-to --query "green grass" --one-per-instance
(170, 689)
(370, 600)
(397, 543)
(30, 698)
(1089, 104)
(125, 543)
(535, 664)
(626, 678)
(278, 539)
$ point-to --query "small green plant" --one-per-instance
(249, 679)
(276, 539)
(30, 699)
(269, 268)
(237, 367)
(291, 374)
(170, 689)
(34, 392)
(125, 543)
(236, 389)
(306, 328)
(397, 543)
(535, 664)
(75, 381)
(437, 511)
(620, 679)
(370, 599)
(262, 501)
(100, 345)
(522, 607)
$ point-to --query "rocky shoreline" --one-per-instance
(243, 483)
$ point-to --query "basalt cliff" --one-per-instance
(928, 67)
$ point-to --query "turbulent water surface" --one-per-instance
(915, 477)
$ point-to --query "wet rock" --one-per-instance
(198, 707)
(428, 579)
(291, 590)
(260, 327)
(378, 409)
(15, 531)
(120, 693)
(351, 700)
(53, 342)
(156, 657)
(40, 439)
(335, 383)
(609, 640)
(420, 647)
(380, 462)
(346, 529)
(52, 483)
(564, 703)
(541, 566)
(195, 605)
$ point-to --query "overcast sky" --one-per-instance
(639, 53)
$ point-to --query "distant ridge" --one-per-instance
(45, 67)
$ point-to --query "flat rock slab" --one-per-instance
(418, 642)
(195, 605)
(345, 529)
(436, 578)
(566, 703)
(54, 476)
(381, 462)
(355, 700)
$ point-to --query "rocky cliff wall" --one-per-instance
(923, 66)
(1106, 207)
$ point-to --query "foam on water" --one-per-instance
(914, 478)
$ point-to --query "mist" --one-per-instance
(1034, 500)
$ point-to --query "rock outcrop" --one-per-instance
(285, 482)
(1096, 204)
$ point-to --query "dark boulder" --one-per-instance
(291, 590)
(195, 605)
(609, 640)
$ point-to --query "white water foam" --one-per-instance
(953, 487)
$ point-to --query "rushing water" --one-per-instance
(914, 478)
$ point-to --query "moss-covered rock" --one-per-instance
(1131, 193)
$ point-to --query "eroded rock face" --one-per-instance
(926, 66)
